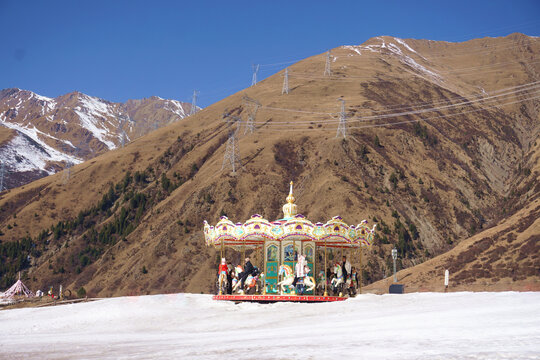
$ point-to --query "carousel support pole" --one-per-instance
(263, 283)
(243, 252)
(264, 267)
(361, 272)
(315, 267)
(220, 292)
(280, 265)
(293, 291)
(325, 274)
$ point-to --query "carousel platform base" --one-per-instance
(278, 298)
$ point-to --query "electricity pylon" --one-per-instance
(232, 151)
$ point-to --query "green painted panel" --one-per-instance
(272, 268)
(271, 286)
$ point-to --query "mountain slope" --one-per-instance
(48, 134)
(504, 257)
(441, 143)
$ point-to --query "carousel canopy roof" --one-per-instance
(257, 230)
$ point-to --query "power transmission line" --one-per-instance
(292, 126)
(296, 128)
(517, 90)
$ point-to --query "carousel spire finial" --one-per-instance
(290, 198)
(289, 209)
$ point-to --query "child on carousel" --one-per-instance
(222, 273)
(223, 268)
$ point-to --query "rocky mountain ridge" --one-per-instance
(40, 136)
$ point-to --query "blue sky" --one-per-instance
(119, 50)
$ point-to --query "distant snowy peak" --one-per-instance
(52, 132)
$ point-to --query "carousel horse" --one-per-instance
(322, 281)
(337, 281)
(251, 281)
(222, 283)
(309, 283)
(288, 279)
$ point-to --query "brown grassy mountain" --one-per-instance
(442, 143)
(40, 136)
(504, 257)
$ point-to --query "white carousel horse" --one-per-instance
(288, 277)
(222, 283)
(287, 273)
(337, 281)
(251, 281)
(309, 283)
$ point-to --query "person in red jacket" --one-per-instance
(222, 275)
(223, 267)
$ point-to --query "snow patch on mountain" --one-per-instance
(356, 49)
(23, 153)
(397, 51)
(92, 112)
(92, 124)
(175, 107)
(44, 153)
(95, 105)
(402, 42)
(48, 104)
(409, 61)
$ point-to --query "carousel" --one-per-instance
(289, 245)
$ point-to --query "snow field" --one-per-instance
(411, 326)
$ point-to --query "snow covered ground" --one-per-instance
(463, 325)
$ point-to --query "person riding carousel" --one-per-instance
(302, 269)
(222, 276)
(223, 267)
(230, 276)
(346, 268)
(248, 270)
